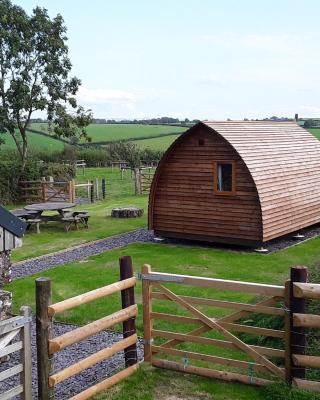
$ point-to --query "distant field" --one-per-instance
(110, 132)
(35, 141)
(159, 143)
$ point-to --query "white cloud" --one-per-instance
(310, 111)
(100, 96)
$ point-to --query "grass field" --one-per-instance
(81, 276)
(116, 132)
(35, 142)
(159, 143)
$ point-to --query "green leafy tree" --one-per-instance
(34, 76)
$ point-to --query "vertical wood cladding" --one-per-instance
(183, 202)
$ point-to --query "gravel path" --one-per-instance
(32, 266)
(69, 356)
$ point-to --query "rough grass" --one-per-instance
(35, 142)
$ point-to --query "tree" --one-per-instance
(34, 76)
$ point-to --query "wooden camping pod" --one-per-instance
(275, 183)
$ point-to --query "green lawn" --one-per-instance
(315, 132)
(81, 276)
(119, 193)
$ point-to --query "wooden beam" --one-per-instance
(248, 287)
(306, 290)
(216, 326)
(90, 296)
(209, 358)
(254, 308)
(187, 337)
(147, 313)
(210, 373)
(91, 360)
(306, 361)
(307, 385)
(306, 320)
(76, 335)
(106, 383)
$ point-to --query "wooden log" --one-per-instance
(248, 287)
(127, 212)
(304, 384)
(255, 308)
(90, 296)
(306, 320)
(75, 336)
(26, 376)
(91, 360)
(127, 300)
(306, 290)
(43, 336)
(106, 383)
(297, 306)
(210, 373)
(306, 361)
(287, 335)
(183, 337)
(147, 314)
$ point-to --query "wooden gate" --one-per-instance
(47, 346)
(43, 191)
(145, 182)
(15, 336)
(257, 361)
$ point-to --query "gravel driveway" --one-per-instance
(32, 266)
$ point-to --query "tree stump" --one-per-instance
(127, 212)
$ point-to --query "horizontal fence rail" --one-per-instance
(11, 329)
(47, 345)
(293, 310)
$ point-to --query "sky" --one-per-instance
(204, 59)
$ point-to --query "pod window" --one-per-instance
(224, 177)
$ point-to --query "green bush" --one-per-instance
(279, 391)
(59, 172)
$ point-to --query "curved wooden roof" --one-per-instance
(284, 161)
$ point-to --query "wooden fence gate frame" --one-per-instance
(44, 191)
(47, 346)
(9, 329)
(292, 310)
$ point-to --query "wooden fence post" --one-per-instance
(26, 376)
(297, 334)
(97, 188)
(92, 192)
(43, 335)
(147, 309)
(103, 186)
(137, 181)
(127, 298)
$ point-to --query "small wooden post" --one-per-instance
(43, 335)
(73, 190)
(147, 309)
(127, 298)
(122, 171)
(103, 186)
(97, 188)
(26, 376)
(297, 305)
(92, 192)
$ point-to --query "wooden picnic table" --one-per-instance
(51, 206)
